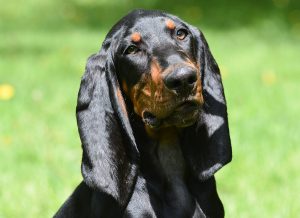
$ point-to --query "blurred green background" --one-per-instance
(43, 49)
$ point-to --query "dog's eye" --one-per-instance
(181, 34)
(132, 49)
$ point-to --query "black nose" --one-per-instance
(182, 79)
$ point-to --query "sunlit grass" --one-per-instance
(40, 148)
(262, 86)
(39, 145)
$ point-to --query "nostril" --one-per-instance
(174, 83)
(192, 78)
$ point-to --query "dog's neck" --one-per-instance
(164, 153)
(163, 167)
(160, 151)
(169, 165)
(169, 154)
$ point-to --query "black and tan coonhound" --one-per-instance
(153, 123)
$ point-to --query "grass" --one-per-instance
(262, 85)
(40, 151)
(40, 148)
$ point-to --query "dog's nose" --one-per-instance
(182, 79)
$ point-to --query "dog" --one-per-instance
(152, 119)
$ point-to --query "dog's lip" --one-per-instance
(185, 108)
(185, 114)
(187, 105)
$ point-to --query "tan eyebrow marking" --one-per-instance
(170, 24)
(136, 37)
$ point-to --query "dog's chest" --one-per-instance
(151, 202)
(166, 195)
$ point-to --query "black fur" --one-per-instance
(120, 176)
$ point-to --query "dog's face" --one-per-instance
(158, 71)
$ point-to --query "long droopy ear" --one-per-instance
(207, 145)
(109, 150)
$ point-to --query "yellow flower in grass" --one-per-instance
(6, 91)
(268, 77)
(6, 141)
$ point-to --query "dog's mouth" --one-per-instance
(151, 120)
(185, 114)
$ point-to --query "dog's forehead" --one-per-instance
(149, 23)
(149, 26)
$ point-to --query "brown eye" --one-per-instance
(131, 49)
(181, 34)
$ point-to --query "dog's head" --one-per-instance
(164, 67)
(158, 69)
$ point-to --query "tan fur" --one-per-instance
(124, 86)
(170, 24)
(156, 72)
(136, 37)
(150, 93)
(121, 101)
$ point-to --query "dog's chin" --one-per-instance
(184, 115)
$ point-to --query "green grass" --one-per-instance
(39, 145)
(40, 151)
(262, 86)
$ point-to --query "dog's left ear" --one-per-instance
(207, 145)
(109, 149)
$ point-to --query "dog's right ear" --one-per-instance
(109, 150)
(207, 143)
